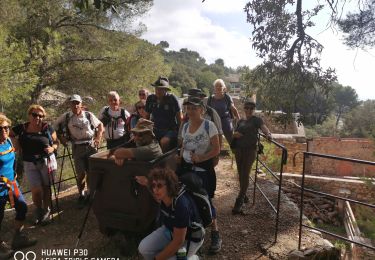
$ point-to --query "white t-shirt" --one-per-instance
(114, 129)
(79, 126)
(199, 141)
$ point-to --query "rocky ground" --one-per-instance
(248, 236)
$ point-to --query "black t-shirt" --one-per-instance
(33, 143)
(249, 128)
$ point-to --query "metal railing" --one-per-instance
(303, 189)
(279, 179)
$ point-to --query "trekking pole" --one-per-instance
(51, 178)
(61, 171)
(88, 210)
(72, 164)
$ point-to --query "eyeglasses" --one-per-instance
(157, 185)
(35, 115)
(6, 128)
(249, 108)
(141, 107)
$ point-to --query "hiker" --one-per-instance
(224, 106)
(245, 147)
(140, 112)
(209, 113)
(10, 191)
(164, 110)
(178, 213)
(147, 148)
(84, 130)
(38, 145)
(114, 119)
(143, 94)
(200, 144)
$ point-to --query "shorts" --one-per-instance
(171, 134)
(38, 174)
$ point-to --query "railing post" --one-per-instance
(256, 171)
(302, 194)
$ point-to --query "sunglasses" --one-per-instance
(249, 108)
(142, 94)
(141, 107)
(6, 128)
(35, 115)
(158, 185)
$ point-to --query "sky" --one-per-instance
(218, 29)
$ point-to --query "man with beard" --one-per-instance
(147, 148)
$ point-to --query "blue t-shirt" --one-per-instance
(6, 165)
(184, 213)
(222, 108)
(163, 113)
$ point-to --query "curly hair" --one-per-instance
(167, 175)
(3, 119)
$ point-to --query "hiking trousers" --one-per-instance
(245, 158)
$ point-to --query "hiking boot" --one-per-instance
(38, 213)
(20, 240)
(216, 242)
(5, 250)
(246, 199)
(237, 209)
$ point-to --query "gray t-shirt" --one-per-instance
(147, 152)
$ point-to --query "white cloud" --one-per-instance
(186, 24)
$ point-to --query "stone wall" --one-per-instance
(357, 148)
(349, 188)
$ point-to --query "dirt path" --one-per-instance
(244, 237)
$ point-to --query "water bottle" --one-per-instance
(181, 254)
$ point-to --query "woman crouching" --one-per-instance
(177, 216)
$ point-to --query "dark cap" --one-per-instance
(196, 101)
(196, 92)
(161, 82)
(249, 103)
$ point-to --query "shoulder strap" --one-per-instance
(106, 111)
(45, 129)
(227, 100)
(66, 125)
(207, 126)
(209, 100)
(210, 112)
(88, 116)
(186, 125)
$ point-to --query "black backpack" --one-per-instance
(192, 185)
(107, 118)
(227, 101)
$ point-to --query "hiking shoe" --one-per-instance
(38, 214)
(237, 209)
(5, 250)
(20, 240)
(216, 242)
(246, 199)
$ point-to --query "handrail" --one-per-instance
(284, 156)
(354, 239)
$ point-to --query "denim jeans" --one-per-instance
(154, 243)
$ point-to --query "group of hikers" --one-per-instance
(157, 125)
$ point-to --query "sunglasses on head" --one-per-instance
(6, 128)
(158, 185)
(35, 115)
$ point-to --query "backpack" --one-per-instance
(64, 126)
(44, 132)
(108, 118)
(206, 126)
(192, 185)
(228, 102)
